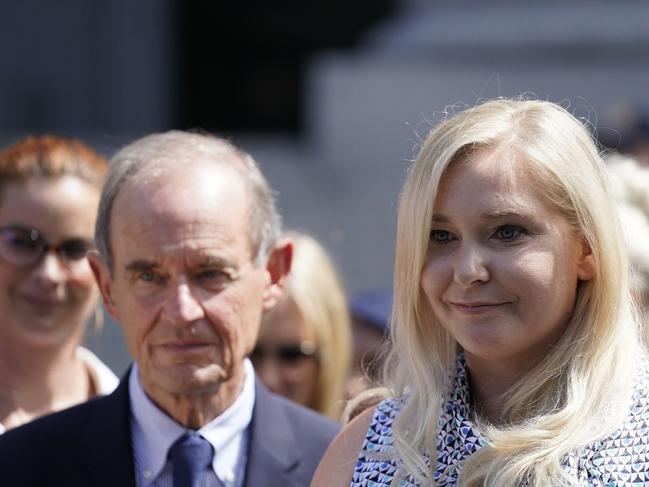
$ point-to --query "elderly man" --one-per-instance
(188, 260)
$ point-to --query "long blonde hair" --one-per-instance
(316, 290)
(581, 391)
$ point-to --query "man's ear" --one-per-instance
(586, 268)
(277, 270)
(103, 280)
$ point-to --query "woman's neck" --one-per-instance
(40, 381)
(489, 383)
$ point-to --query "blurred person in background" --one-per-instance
(49, 192)
(304, 347)
(370, 310)
(630, 184)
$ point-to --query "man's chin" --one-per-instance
(193, 379)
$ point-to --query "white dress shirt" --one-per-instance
(153, 433)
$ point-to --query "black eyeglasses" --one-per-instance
(24, 246)
(285, 354)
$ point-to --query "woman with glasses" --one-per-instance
(517, 358)
(49, 191)
(304, 346)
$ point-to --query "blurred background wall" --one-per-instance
(331, 97)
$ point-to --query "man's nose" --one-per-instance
(182, 306)
(471, 265)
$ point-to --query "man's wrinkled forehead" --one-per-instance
(163, 166)
(175, 179)
(202, 192)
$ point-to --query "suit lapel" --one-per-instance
(273, 451)
(106, 452)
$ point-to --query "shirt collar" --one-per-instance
(456, 423)
(159, 431)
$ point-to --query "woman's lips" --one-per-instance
(40, 301)
(473, 308)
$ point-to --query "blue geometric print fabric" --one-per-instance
(621, 459)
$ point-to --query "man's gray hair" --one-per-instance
(151, 156)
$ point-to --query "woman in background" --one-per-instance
(49, 192)
(304, 347)
(516, 356)
(630, 182)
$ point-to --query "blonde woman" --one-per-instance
(630, 182)
(516, 356)
(304, 347)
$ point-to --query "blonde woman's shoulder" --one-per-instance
(337, 465)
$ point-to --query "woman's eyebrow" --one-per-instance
(487, 215)
(503, 213)
(439, 218)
